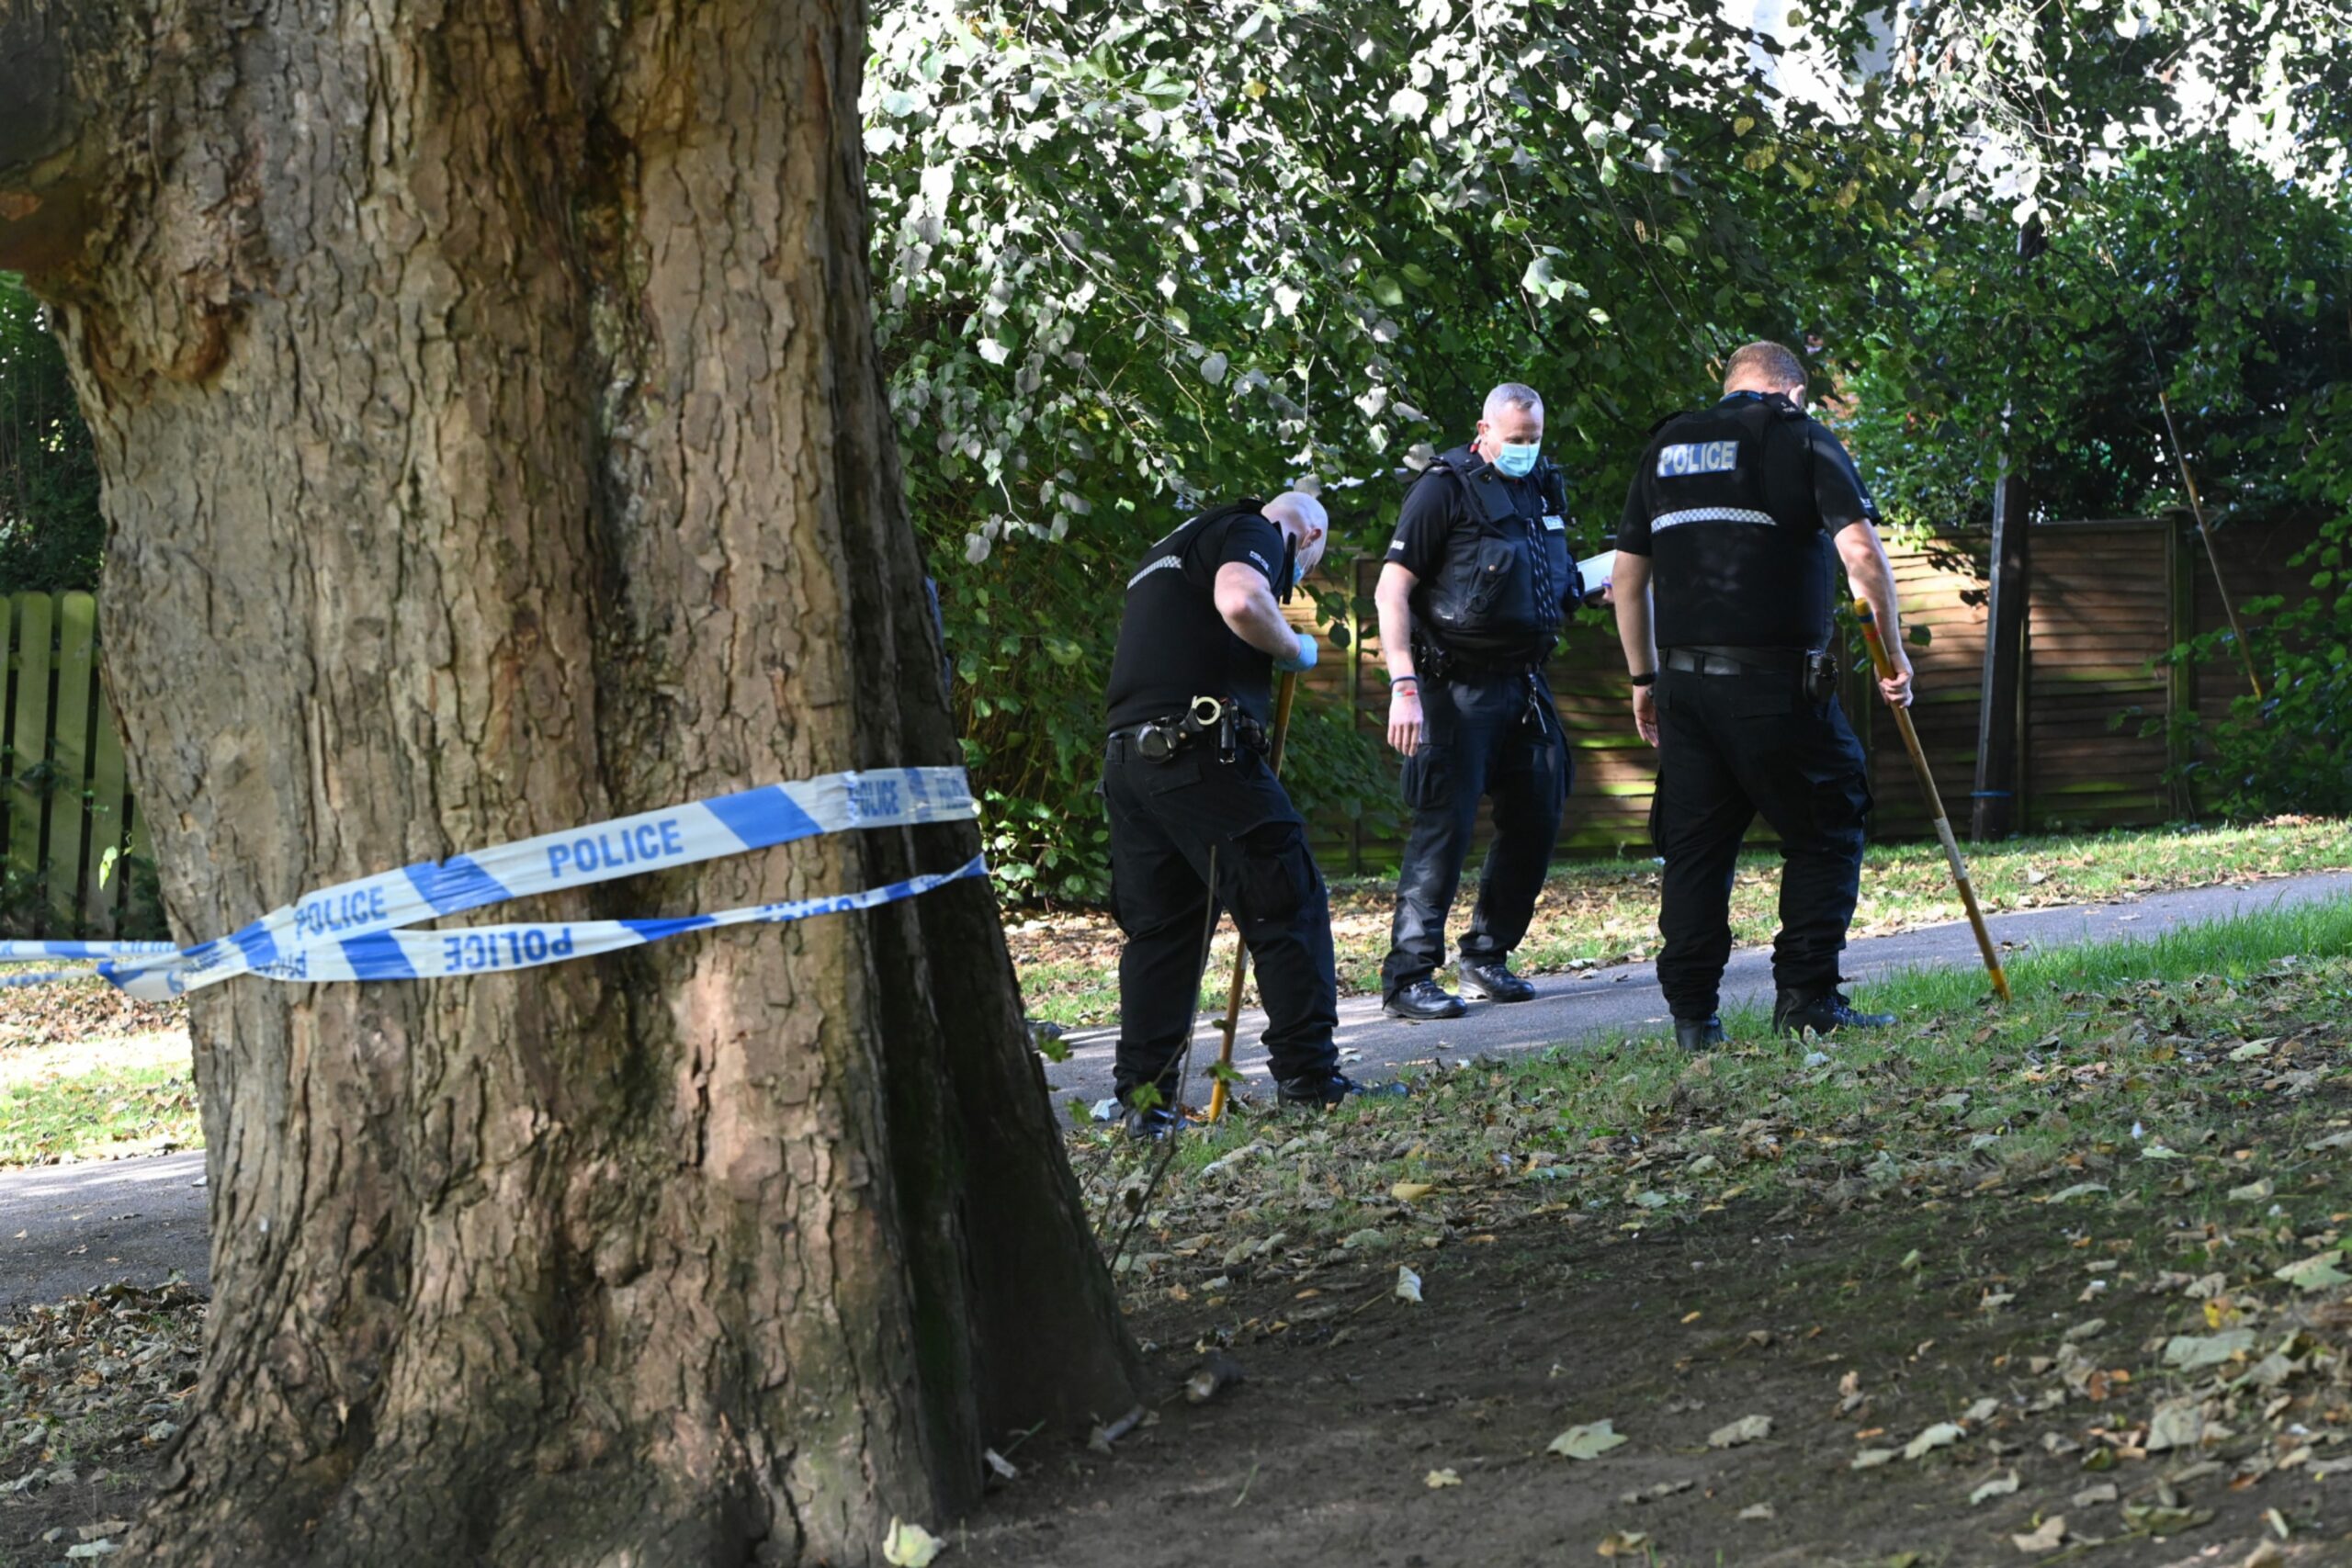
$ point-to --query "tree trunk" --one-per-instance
(492, 443)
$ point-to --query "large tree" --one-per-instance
(492, 443)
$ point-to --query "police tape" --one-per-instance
(355, 930)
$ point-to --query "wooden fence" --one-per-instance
(66, 815)
(2108, 598)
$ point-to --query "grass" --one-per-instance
(2128, 1056)
(99, 1100)
(2144, 1154)
(1600, 912)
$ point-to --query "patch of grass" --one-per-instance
(2113, 1211)
(127, 1096)
(1600, 912)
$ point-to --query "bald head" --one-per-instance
(1301, 517)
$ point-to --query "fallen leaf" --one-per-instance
(1411, 1191)
(2190, 1352)
(1746, 1429)
(909, 1546)
(1999, 1486)
(1437, 1478)
(2052, 1534)
(2314, 1273)
(1757, 1511)
(2155, 1518)
(1587, 1442)
(1871, 1458)
(1623, 1543)
(2079, 1190)
(2103, 1492)
(1408, 1285)
(1943, 1435)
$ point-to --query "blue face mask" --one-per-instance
(1517, 462)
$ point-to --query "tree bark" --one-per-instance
(492, 443)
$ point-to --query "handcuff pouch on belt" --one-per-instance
(1820, 675)
(1159, 740)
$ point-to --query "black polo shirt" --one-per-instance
(1173, 645)
(1737, 506)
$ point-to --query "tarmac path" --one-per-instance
(65, 1229)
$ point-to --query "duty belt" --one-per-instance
(1696, 659)
(1159, 740)
(1444, 664)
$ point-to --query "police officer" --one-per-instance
(1730, 526)
(1195, 812)
(1470, 600)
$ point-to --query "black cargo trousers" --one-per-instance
(1482, 734)
(1730, 746)
(1165, 819)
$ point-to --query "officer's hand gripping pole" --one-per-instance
(1217, 1096)
(1885, 667)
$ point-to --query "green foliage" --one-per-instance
(2292, 750)
(1129, 259)
(2189, 271)
(51, 532)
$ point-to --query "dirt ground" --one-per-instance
(1334, 1450)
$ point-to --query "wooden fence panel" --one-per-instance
(2109, 599)
(77, 637)
(2101, 620)
(28, 795)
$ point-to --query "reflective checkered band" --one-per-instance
(1711, 515)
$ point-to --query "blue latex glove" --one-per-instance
(1304, 659)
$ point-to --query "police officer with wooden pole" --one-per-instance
(1728, 530)
(1198, 820)
(1470, 599)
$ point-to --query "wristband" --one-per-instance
(1648, 679)
(1412, 681)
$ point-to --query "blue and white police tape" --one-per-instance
(480, 950)
(341, 932)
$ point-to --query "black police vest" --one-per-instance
(1507, 572)
(1732, 562)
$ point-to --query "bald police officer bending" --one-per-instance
(1470, 599)
(1730, 526)
(1196, 813)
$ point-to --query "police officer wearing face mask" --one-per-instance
(1730, 526)
(1196, 813)
(1470, 599)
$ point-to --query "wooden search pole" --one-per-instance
(2196, 510)
(1217, 1096)
(1885, 666)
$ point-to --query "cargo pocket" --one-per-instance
(1841, 801)
(1428, 778)
(1275, 875)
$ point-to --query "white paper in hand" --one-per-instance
(1597, 571)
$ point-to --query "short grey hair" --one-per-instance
(1513, 395)
(1765, 367)
(1300, 508)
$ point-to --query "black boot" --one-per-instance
(1494, 981)
(1695, 1034)
(1422, 1001)
(1823, 1014)
(1328, 1090)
